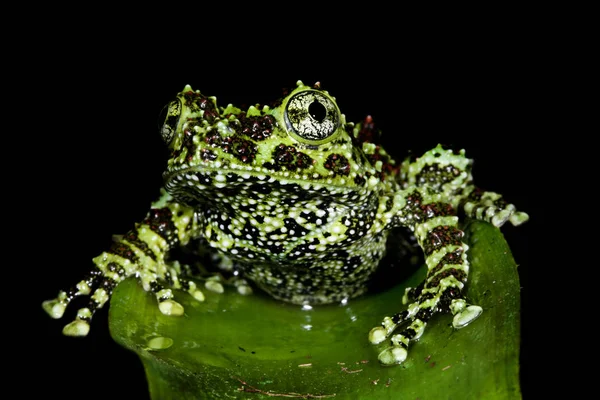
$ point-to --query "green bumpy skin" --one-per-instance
(301, 203)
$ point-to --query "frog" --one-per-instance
(296, 202)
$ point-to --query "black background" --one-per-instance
(90, 131)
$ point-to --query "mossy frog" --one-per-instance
(296, 201)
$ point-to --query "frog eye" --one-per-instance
(169, 117)
(311, 116)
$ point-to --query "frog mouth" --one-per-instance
(203, 183)
(204, 177)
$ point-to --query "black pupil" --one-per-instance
(317, 111)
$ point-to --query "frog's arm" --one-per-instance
(141, 253)
(436, 228)
(444, 172)
(437, 185)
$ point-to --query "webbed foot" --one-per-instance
(414, 320)
(98, 285)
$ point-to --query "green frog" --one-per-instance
(297, 202)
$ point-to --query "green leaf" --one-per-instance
(234, 346)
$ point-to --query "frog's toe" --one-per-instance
(518, 218)
(81, 325)
(388, 325)
(244, 290)
(55, 308)
(78, 327)
(242, 287)
(466, 316)
(165, 296)
(214, 286)
(170, 307)
(499, 218)
(377, 335)
(197, 294)
(192, 289)
(393, 355)
(167, 305)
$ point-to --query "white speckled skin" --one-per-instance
(301, 203)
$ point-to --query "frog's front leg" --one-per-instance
(141, 253)
(436, 227)
(448, 173)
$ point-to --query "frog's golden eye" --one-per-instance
(169, 117)
(311, 116)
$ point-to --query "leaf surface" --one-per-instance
(232, 346)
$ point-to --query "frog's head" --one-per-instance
(303, 142)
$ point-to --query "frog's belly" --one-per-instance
(313, 285)
(307, 270)
(318, 278)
